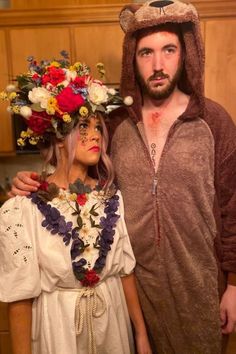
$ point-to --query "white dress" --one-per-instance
(36, 264)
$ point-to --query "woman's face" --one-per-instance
(89, 141)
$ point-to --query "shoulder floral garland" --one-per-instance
(56, 224)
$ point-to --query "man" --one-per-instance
(174, 154)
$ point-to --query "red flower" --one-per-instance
(53, 76)
(36, 77)
(91, 278)
(81, 199)
(68, 101)
(39, 122)
(44, 186)
(79, 81)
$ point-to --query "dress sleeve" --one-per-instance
(19, 269)
(128, 263)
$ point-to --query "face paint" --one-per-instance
(89, 141)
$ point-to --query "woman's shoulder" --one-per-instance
(15, 206)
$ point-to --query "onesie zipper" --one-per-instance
(154, 185)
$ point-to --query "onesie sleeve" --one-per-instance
(19, 269)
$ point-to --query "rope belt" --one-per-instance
(95, 307)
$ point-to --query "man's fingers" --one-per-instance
(15, 191)
(34, 176)
(25, 181)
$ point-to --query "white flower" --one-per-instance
(128, 101)
(11, 88)
(9, 109)
(70, 75)
(39, 95)
(111, 91)
(97, 93)
(25, 112)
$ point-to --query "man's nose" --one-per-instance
(157, 62)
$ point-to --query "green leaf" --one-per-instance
(36, 107)
(92, 211)
(91, 221)
(80, 222)
(77, 208)
(73, 188)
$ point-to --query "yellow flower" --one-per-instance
(52, 101)
(16, 109)
(55, 63)
(12, 96)
(101, 69)
(3, 96)
(33, 140)
(76, 66)
(21, 142)
(51, 105)
(73, 197)
(66, 118)
(83, 111)
(29, 131)
(24, 134)
(50, 111)
(100, 65)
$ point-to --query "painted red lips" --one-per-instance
(95, 148)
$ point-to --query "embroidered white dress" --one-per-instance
(36, 264)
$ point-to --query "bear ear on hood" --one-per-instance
(127, 17)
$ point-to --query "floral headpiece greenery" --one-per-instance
(52, 96)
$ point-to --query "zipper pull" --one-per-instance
(154, 186)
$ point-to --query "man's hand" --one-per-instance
(228, 310)
(24, 183)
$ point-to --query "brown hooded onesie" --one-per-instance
(181, 219)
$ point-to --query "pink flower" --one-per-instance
(68, 101)
(53, 76)
(91, 278)
(39, 122)
(81, 199)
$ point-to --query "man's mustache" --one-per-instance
(158, 75)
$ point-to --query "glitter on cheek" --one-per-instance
(83, 136)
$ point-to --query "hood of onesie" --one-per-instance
(136, 17)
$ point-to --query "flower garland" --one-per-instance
(52, 95)
(55, 223)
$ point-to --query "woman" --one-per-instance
(66, 260)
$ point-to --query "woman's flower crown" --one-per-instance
(52, 96)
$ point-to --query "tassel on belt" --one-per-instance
(94, 307)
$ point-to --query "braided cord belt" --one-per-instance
(95, 307)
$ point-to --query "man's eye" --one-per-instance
(170, 50)
(145, 53)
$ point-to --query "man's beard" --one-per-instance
(159, 92)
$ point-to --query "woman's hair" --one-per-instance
(103, 171)
(104, 168)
